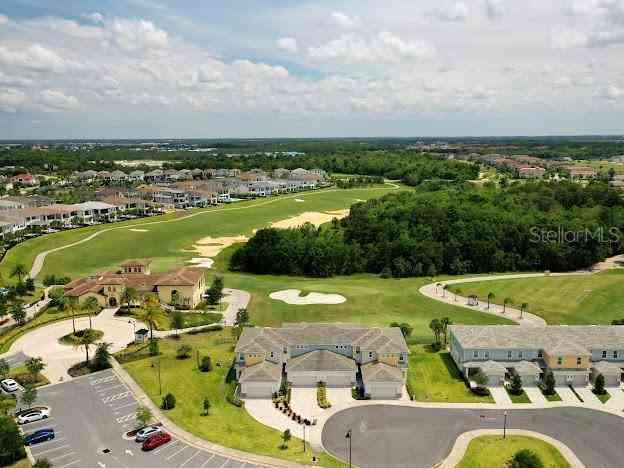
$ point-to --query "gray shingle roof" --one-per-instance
(608, 368)
(264, 371)
(320, 360)
(555, 337)
(380, 372)
(525, 367)
(489, 367)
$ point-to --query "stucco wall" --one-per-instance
(568, 361)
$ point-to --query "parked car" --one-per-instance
(9, 385)
(156, 440)
(39, 436)
(33, 415)
(147, 432)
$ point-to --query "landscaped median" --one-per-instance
(227, 424)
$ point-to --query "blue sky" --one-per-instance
(277, 68)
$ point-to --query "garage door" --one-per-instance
(378, 391)
(258, 389)
(310, 379)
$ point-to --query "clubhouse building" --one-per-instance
(183, 286)
(574, 354)
(339, 355)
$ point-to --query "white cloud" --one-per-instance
(456, 12)
(493, 9)
(383, 47)
(137, 35)
(288, 44)
(11, 99)
(3, 20)
(343, 20)
(57, 100)
(34, 57)
(611, 92)
(601, 25)
(95, 17)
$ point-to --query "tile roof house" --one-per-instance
(183, 286)
(340, 355)
(573, 353)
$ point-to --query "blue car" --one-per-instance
(39, 436)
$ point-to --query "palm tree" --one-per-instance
(86, 339)
(524, 308)
(506, 302)
(90, 306)
(18, 270)
(436, 328)
(445, 322)
(150, 314)
(128, 296)
(71, 306)
(490, 298)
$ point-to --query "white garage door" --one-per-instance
(310, 379)
(258, 389)
(383, 391)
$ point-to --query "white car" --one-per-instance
(9, 385)
(33, 415)
(147, 432)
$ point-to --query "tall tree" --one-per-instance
(490, 297)
(18, 270)
(445, 322)
(128, 296)
(150, 314)
(90, 306)
(87, 338)
(18, 313)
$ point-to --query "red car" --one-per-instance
(156, 441)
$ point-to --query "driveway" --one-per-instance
(617, 398)
(567, 395)
(588, 396)
(399, 436)
(500, 395)
(236, 300)
(90, 415)
(535, 395)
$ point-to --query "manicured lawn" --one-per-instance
(495, 452)
(191, 319)
(553, 397)
(166, 243)
(72, 339)
(21, 374)
(604, 398)
(522, 398)
(23, 463)
(434, 377)
(583, 299)
(226, 425)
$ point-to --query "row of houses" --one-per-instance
(574, 354)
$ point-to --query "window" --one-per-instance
(487, 355)
(272, 354)
(559, 360)
(508, 354)
(370, 354)
(578, 361)
(604, 355)
(475, 354)
(520, 354)
(540, 354)
(615, 354)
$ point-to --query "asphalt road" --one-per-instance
(398, 436)
(90, 416)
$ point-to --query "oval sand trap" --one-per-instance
(292, 296)
(202, 262)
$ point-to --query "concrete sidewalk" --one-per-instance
(500, 395)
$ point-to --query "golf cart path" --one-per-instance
(437, 292)
(40, 258)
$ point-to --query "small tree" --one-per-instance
(526, 459)
(91, 306)
(507, 302)
(549, 383)
(29, 284)
(154, 348)
(18, 313)
(285, 438)
(206, 364)
(4, 368)
(516, 385)
(406, 328)
(524, 308)
(445, 322)
(177, 320)
(42, 463)
(436, 327)
(18, 270)
(237, 330)
(143, 415)
(86, 339)
(490, 297)
(206, 406)
(102, 356)
(168, 402)
(599, 385)
(184, 351)
(479, 378)
(34, 366)
(11, 442)
(242, 318)
(29, 395)
(215, 292)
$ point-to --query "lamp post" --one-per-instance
(348, 436)
(304, 447)
(133, 323)
(159, 382)
(505, 425)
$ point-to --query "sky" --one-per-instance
(303, 68)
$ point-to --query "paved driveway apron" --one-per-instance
(397, 436)
(91, 414)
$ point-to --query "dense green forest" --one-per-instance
(455, 229)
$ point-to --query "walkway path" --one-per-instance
(33, 309)
(40, 258)
(237, 299)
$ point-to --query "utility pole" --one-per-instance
(505, 425)
(304, 447)
(159, 381)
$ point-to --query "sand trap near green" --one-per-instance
(294, 297)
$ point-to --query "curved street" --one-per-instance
(399, 436)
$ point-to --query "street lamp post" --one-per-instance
(505, 425)
(304, 447)
(159, 382)
(348, 436)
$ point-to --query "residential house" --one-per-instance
(531, 172)
(25, 179)
(581, 172)
(339, 355)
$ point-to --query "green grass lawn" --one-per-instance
(583, 299)
(522, 398)
(72, 339)
(226, 425)
(164, 322)
(604, 397)
(554, 397)
(434, 377)
(165, 243)
(495, 452)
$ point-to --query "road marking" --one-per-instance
(50, 450)
(101, 380)
(34, 423)
(126, 418)
(175, 442)
(49, 442)
(107, 388)
(116, 396)
(63, 456)
(227, 460)
(192, 456)
(69, 464)
(117, 408)
(206, 462)
(174, 454)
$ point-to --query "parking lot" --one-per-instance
(90, 416)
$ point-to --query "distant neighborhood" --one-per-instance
(124, 195)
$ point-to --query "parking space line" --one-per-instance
(206, 462)
(35, 423)
(108, 388)
(114, 397)
(62, 456)
(126, 418)
(175, 442)
(50, 442)
(116, 408)
(50, 450)
(101, 380)
(227, 460)
(192, 456)
(69, 464)
(176, 453)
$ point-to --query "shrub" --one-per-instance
(154, 349)
(232, 397)
(526, 459)
(168, 402)
(599, 383)
(206, 364)
(549, 384)
(516, 385)
(183, 351)
(321, 396)
(358, 394)
(143, 415)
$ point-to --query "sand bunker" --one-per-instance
(610, 263)
(202, 262)
(212, 246)
(313, 217)
(299, 200)
(139, 230)
(292, 296)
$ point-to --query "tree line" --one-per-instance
(451, 229)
